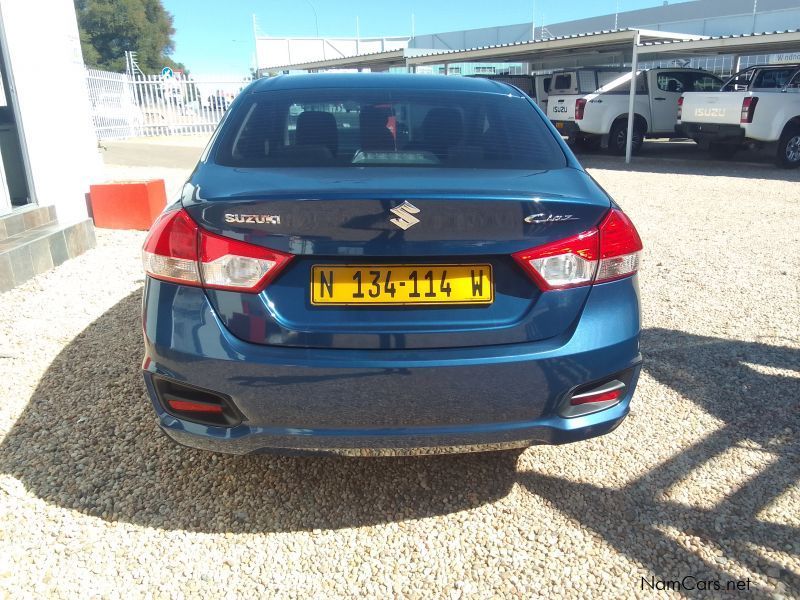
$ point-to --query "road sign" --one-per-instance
(167, 73)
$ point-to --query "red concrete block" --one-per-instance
(127, 204)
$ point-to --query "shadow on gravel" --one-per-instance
(88, 441)
(759, 412)
(680, 158)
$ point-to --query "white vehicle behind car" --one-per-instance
(758, 107)
(542, 85)
(595, 113)
(566, 87)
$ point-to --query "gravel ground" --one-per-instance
(701, 480)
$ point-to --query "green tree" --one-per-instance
(110, 27)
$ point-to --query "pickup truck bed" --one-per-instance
(760, 107)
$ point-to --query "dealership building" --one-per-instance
(707, 18)
(48, 148)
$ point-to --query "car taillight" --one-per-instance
(170, 250)
(228, 264)
(680, 107)
(748, 109)
(610, 251)
(567, 263)
(580, 104)
(177, 250)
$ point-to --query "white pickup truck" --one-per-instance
(597, 114)
(758, 107)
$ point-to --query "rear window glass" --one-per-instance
(772, 78)
(363, 128)
(606, 77)
(687, 81)
(620, 83)
(740, 81)
(562, 83)
(702, 82)
(587, 81)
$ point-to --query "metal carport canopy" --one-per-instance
(744, 44)
(547, 53)
(379, 60)
(618, 41)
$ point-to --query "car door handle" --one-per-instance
(659, 98)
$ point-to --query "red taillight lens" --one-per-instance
(228, 264)
(563, 264)
(620, 246)
(748, 109)
(611, 251)
(170, 250)
(580, 104)
(680, 107)
(177, 250)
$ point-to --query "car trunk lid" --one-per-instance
(372, 221)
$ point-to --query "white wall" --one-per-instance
(47, 68)
(277, 52)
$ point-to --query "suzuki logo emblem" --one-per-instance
(405, 215)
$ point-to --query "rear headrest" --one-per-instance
(374, 133)
(372, 116)
(442, 128)
(317, 128)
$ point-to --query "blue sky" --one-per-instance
(216, 37)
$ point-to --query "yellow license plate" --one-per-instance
(401, 284)
(559, 125)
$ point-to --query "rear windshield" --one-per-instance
(562, 83)
(772, 78)
(363, 128)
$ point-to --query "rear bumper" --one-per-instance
(567, 128)
(365, 402)
(709, 132)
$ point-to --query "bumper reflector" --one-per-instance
(199, 407)
(596, 398)
(601, 396)
(196, 404)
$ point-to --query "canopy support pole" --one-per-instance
(632, 97)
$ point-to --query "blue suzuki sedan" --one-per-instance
(389, 264)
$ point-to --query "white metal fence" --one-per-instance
(125, 106)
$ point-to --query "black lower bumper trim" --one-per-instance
(711, 132)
